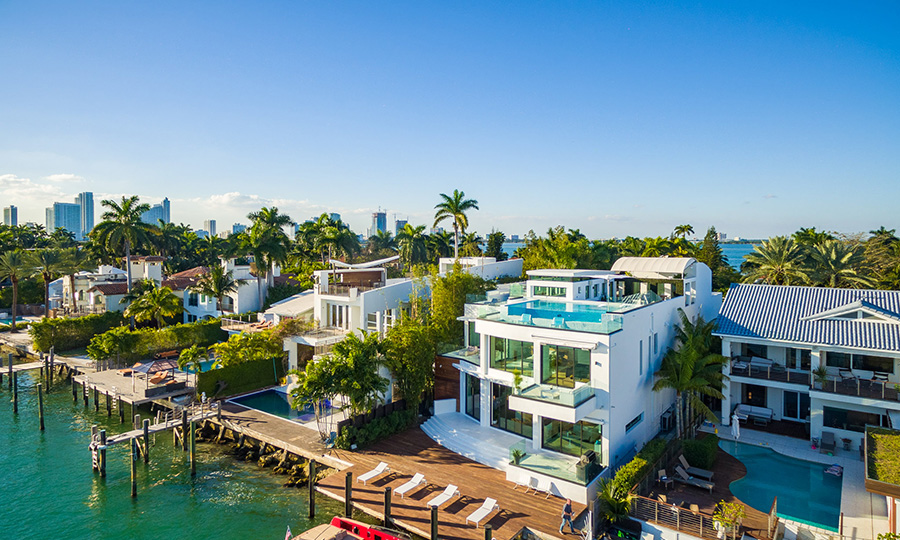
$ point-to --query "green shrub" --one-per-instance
(73, 333)
(702, 452)
(135, 345)
(240, 378)
(377, 429)
(635, 470)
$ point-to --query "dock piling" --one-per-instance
(120, 409)
(41, 405)
(488, 531)
(102, 449)
(184, 429)
(96, 400)
(146, 441)
(133, 468)
(193, 448)
(15, 383)
(136, 422)
(434, 523)
(84, 392)
(387, 507)
(311, 482)
(50, 370)
(74, 391)
(108, 404)
(10, 362)
(348, 495)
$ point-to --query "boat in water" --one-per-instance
(350, 529)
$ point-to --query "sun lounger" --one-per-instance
(827, 444)
(439, 499)
(695, 471)
(126, 372)
(544, 486)
(417, 480)
(377, 471)
(158, 377)
(685, 478)
(489, 506)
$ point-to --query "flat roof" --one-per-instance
(570, 272)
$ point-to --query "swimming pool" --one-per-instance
(546, 309)
(205, 366)
(805, 493)
(276, 403)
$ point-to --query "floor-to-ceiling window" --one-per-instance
(564, 366)
(473, 397)
(573, 439)
(796, 406)
(474, 337)
(505, 418)
(510, 354)
(755, 395)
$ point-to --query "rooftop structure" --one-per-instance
(485, 267)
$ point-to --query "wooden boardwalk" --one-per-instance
(157, 428)
(414, 452)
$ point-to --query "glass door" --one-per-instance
(473, 397)
(796, 406)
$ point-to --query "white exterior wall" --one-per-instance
(487, 268)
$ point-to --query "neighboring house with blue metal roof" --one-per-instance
(777, 336)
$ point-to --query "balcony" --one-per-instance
(866, 385)
(569, 397)
(341, 289)
(566, 404)
(772, 372)
(571, 469)
(862, 388)
(466, 354)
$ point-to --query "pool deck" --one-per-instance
(865, 514)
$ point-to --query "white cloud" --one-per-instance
(30, 197)
(64, 178)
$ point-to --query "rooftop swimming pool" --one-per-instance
(805, 493)
(276, 403)
(548, 309)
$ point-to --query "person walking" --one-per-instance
(567, 517)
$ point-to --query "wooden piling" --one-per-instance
(74, 392)
(434, 523)
(488, 532)
(96, 400)
(146, 441)
(10, 362)
(184, 430)
(50, 370)
(108, 405)
(311, 483)
(1, 371)
(193, 449)
(102, 451)
(136, 422)
(387, 507)
(84, 393)
(120, 409)
(133, 468)
(41, 405)
(348, 495)
(15, 383)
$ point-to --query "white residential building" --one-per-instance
(776, 336)
(198, 306)
(586, 345)
(488, 268)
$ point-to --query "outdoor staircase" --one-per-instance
(464, 437)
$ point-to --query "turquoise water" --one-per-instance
(546, 309)
(805, 493)
(205, 366)
(278, 403)
(49, 489)
(736, 253)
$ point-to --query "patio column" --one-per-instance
(486, 405)
(485, 354)
(726, 404)
(537, 434)
(379, 322)
(815, 359)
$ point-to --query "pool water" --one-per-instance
(205, 366)
(545, 309)
(805, 493)
(276, 403)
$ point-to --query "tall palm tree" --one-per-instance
(269, 243)
(683, 231)
(382, 242)
(14, 266)
(471, 244)
(156, 303)
(656, 247)
(217, 283)
(438, 245)
(454, 208)
(691, 369)
(166, 238)
(835, 264)
(631, 247)
(413, 249)
(777, 261)
(48, 263)
(339, 240)
(122, 226)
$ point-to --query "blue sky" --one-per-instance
(616, 118)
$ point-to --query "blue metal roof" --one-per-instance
(801, 315)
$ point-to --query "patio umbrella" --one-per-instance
(735, 427)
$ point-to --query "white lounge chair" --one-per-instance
(695, 471)
(377, 471)
(685, 478)
(439, 499)
(489, 506)
(544, 485)
(525, 480)
(416, 481)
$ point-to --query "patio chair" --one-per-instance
(685, 478)
(827, 445)
(847, 375)
(695, 471)
(544, 485)
(377, 471)
(525, 480)
(664, 478)
(439, 499)
(158, 377)
(483, 511)
(417, 480)
(329, 442)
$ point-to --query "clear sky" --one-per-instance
(613, 117)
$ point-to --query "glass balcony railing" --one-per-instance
(466, 354)
(608, 323)
(568, 397)
(581, 471)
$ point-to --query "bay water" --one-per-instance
(48, 490)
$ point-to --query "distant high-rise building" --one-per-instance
(11, 216)
(201, 234)
(210, 226)
(721, 237)
(514, 238)
(85, 202)
(334, 216)
(158, 212)
(379, 222)
(398, 225)
(65, 216)
(238, 227)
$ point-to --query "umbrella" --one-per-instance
(735, 427)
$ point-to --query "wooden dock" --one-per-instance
(133, 392)
(166, 425)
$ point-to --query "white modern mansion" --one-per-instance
(562, 367)
(777, 336)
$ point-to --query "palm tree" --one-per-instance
(835, 264)
(777, 261)
(339, 240)
(156, 303)
(382, 242)
(48, 263)
(438, 245)
(14, 266)
(268, 242)
(631, 247)
(413, 249)
(683, 231)
(811, 237)
(471, 244)
(691, 369)
(217, 283)
(122, 226)
(454, 208)
(656, 247)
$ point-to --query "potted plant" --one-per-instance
(517, 455)
(517, 380)
(820, 375)
(729, 516)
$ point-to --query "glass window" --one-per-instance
(656, 343)
(837, 359)
(573, 439)
(752, 349)
(542, 290)
(564, 366)
(473, 397)
(851, 420)
(474, 337)
(510, 354)
(503, 417)
(873, 363)
(634, 423)
(798, 358)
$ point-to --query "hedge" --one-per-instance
(702, 453)
(377, 429)
(146, 342)
(635, 470)
(240, 378)
(72, 333)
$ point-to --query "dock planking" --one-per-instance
(157, 428)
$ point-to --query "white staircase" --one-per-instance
(466, 437)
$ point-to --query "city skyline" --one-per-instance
(616, 120)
